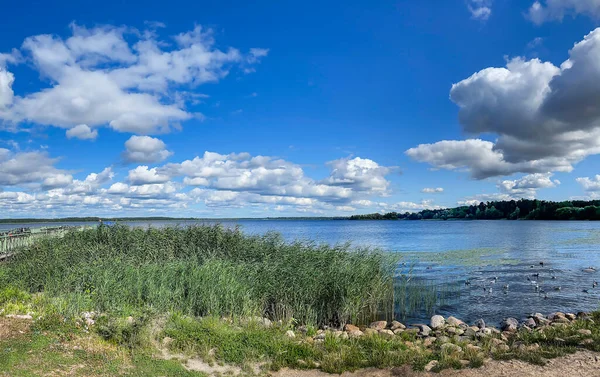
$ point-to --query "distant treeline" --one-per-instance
(512, 210)
(86, 219)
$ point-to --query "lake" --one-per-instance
(446, 254)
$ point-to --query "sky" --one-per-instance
(265, 109)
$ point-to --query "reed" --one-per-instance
(209, 270)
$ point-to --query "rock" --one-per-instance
(19, 316)
(351, 328)
(378, 325)
(397, 325)
(473, 348)
(451, 348)
(582, 315)
(89, 322)
(414, 331)
(530, 322)
(443, 340)
(464, 363)
(453, 321)
(386, 332)
(510, 324)
(570, 316)
(424, 330)
(302, 329)
(586, 342)
(502, 347)
(130, 320)
(355, 334)
(496, 342)
(337, 334)
(370, 331)
(585, 332)
(320, 336)
(555, 315)
(430, 365)
(345, 335)
(470, 332)
(398, 331)
(480, 323)
(266, 322)
(451, 330)
(167, 341)
(290, 334)
(428, 341)
(437, 321)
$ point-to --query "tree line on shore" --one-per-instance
(527, 209)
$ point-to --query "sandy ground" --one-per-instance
(580, 364)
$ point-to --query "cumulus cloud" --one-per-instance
(552, 10)
(480, 9)
(527, 186)
(145, 149)
(98, 78)
(547, 118)
(28, 168)
(591, 185)
(432, 190)
(83, 132)
(215, 181)
(142, 175)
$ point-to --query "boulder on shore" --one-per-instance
(437, 321)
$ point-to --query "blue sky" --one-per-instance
(227, 109)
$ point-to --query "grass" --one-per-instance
(207, 270)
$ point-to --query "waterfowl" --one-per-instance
(557, 288)
(545, 296)
(542, 264)
(553, 277)
(585, 291)
(505, 286)
(589, 269)
(536, 275)
(594, 284)
(467, 282)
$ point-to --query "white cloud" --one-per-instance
(432, 190)
(27, 168)
(98, 78)
(547, 118)
(480, 9)
(6, 92)
(58, 180)
(142, 175)
(590, 184)
(83, 132)
(145, 149)
(558, 9)
(527, 186)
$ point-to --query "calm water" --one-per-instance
(448, 253)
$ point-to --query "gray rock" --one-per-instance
(290, 334)
(378, 325)
(451, 348)
(443, 340)
(424, 330)
(480, 323)
(397, 325)
(470, 332)
(530, 322)
(320, 336)
(432, 364)
(453, 321)
(437, 321)
(584, 332)
(509, 324)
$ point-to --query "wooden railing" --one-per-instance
(14, 239)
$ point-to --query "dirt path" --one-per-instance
(580, 364)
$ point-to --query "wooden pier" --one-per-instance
(14, 239)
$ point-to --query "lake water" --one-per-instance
(448, 253)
